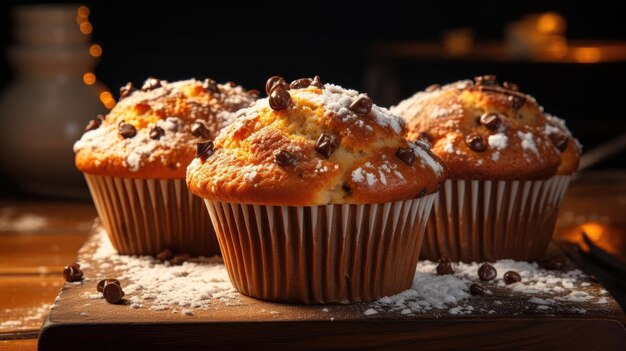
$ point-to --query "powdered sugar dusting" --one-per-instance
(498, 141)
(148, 283)
(449, 294)
(217, 111)
(21, 222)
(426, 160)
(27, 318)
(337, 100)
(528, 141)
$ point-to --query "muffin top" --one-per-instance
(310, 143)
(483, 130)
(152, 132)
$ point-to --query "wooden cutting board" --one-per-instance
(75, 324)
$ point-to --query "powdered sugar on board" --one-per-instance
(540, 292)
(149, 283)
(200, 288)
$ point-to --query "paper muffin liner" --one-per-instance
(475, 221)
(147, 216)
(321, 254)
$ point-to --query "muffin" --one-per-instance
(316, 196)
(509, 165)
(134, 161)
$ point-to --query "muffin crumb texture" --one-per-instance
(482, 129)
(310, 143)
(152, 131)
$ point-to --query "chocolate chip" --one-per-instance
(126, 130)
(476, 289)
(511, 277)
(284, 158)
(488, 79)
(559, 140)
(180, 259)
(317, 82)
(555, 263)
(362, 105)
(204, 149)
(164, 255)
(432, 88)
(326, 145)
(254, 93)
(210, 85)
(103, 282)
(231, 84)
(126, 90)
(510, 86)
(72, 273)
(94, 123)
(490, 120)
(274, 82)
(426, 137)
(422, 144)
(346, 188)
(516, 101)
(421, 193)
(444, 266)
(475, 142)
(279, 98)
(199, 129)
(301, 83)
(407, 155)
(487, 272)
(112, 292)
(156, 133)
(151, 84)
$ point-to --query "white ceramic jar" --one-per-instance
(44, 109)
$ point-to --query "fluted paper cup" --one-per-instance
(482, 220)
(321, 254)
(147, 216)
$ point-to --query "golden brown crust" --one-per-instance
(525, 144)
(174, 108)
(362, 168)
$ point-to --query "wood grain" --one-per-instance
(264, 325)
(25, 254)
(36, 240)
(18, 345)
(38, 253)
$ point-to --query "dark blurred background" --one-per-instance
(346, 44)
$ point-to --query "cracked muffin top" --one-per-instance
(310, 143)
(489, 131)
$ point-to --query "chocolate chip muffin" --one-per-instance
(316, 195)
(134, 160)
(509, 165)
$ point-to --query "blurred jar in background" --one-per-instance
(44, 109)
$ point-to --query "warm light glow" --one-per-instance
(95, 50)
(107, 99)
(551, 22)
(587, 55)
(85, 28)
(593, 230)
(556, 49)
(83, 11)
(89, 78)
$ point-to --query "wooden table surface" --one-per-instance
(38, 238)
